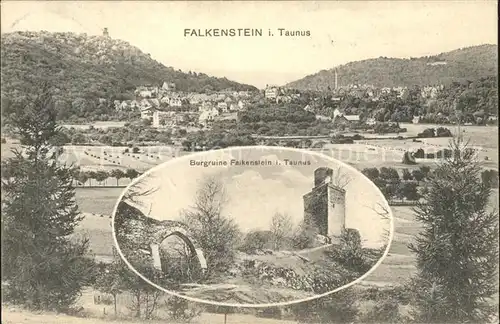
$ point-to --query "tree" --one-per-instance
(408, 190)
(100, 176)
(217, 233)
(371, 173)
(110, 280)
(350, 253)
(304, 236)
(457, 250)
(91, 175)
(131, 173)
(425, 170)
(418, 175)
(490, 178)
(43, 267)
(117, 174)
(255, 240)
(407, 175)
(82, 177)
(340, 307)
(281, 228)
(181, 309)
(389, 174)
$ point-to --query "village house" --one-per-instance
(233, 107)
(175, 102)
(283, 99)
(341, 118)
(172, 101)
(244, 94)
(371, 121)
(168, 86)
(163, 119)
(207, 117)
(147, 112)
(323, 118)
(271, 92)
(241, 105)
(222, 106)
(205, 106)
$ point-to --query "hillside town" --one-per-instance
(164, 107)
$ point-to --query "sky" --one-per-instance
(255, 194)
(341, 32)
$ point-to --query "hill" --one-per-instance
(462, 64)
(89, 67)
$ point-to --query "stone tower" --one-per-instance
(105, 32)
(324, 205)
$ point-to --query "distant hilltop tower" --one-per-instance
(324, 205)
(105, 32)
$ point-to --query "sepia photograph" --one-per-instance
(242, 162)
(253, 226)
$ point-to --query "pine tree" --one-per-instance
(43, 266)
(457, 250)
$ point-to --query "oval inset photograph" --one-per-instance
(252, 226)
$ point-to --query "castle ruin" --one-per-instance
(324, 205)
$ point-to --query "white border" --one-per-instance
(194, 156)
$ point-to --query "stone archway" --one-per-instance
(133, 228)
(169, 228)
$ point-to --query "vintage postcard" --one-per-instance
(243, 162)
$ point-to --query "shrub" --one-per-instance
(180, 309)
(384, 311)
(340, 307)
(304, 236)
(255, 240)
(419, 154)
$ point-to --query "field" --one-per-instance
(11, 315)
(486, 136)
(97, 124)
(362, 154)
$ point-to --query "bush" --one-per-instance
(340, 307)
(443, 132)
(304, 236)
(427, 133)
(350, 253)
(255, 240)
(182, 310)
(489, 178)
(384, 311)
(419, 154)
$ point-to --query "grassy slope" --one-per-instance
(468, 63)
(12, 315)
(84, 66)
